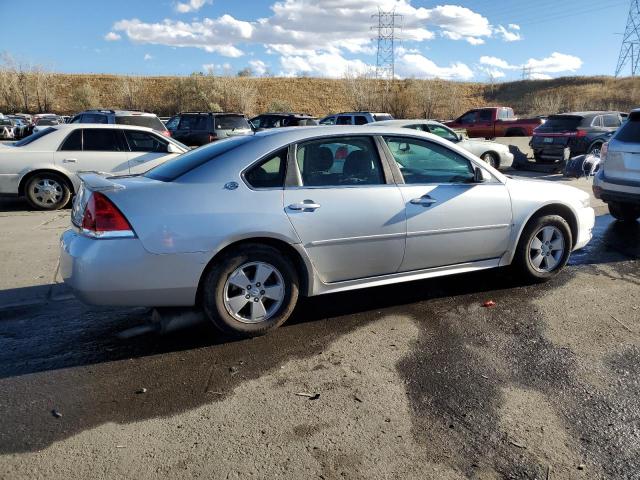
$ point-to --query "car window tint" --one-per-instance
(443, 132)
(597, 121)
(144, 142)
(339, 161)
(230, 122)
(468, 117)
(381, 117)
(101, 140)
(422, 161)
(193, 122)
(420, 127)
(485, 115)
(344, 120)
(73, 142)
(629, 132)
(34, 136)
(149, 121)
(94, 118)
(360, 120)
(268, 173)
(611, 121)
(172, 124)
(328, 121)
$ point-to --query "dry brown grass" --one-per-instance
(318, 96)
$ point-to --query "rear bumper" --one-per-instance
(610, 190)
(121, 272)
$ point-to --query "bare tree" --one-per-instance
(360, 90)
(546, 103)
(8, 88)
(84, 97)
(425, 93)
(44, 87)
(130, 89)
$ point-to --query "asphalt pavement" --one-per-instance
(417, 380)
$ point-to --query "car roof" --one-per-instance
(72, 126)
(402, 123)
(118, 113)
(286, 114)
(585, 114)
(296, 134)
(211, 113)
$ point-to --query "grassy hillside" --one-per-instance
(406, 98)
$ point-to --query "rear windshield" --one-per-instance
(169, 171)
(47, 121)
(382, 117)
(142, 121)
(229, 122)
(561, 124)
(34, 136)
(630, 131)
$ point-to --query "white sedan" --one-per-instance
(494, 153)
(43, 167)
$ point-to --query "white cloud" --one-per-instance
(493, 73)
(555, 63)
(415, 65)
(258, 67)
(496, 62)
(191, 5)
(331, 65)
(510, 34)
(112, 37)
(460, 23)
(540, 76)
(148, 57)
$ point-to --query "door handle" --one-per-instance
(307, 205)
(70, 160)
(425, 201)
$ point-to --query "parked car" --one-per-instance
(569, 134)
(277, 120)
(42, 123)
(22, 128)
(495, 154)
(7, 129)
(242, 226)
(491, 122)
(122, 117)
(43, 166)
(200, 128)
(355, 118)
(618, 181)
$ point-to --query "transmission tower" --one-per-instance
(385, 26)
(630, 50)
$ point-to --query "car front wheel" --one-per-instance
(251, 290)
(491, 159)
(624, 212)
(544, 248)
(47, 191)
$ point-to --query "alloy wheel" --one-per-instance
(47, 192)
(546, 249)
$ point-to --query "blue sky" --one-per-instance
(464, 40)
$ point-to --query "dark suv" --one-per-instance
(566, 135)
(200, 128)
(122, 117)
(277, 120)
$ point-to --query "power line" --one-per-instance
(630, 49)
(385, 26)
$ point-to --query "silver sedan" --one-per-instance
(243, 226)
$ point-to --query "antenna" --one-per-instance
(630, 49)
(386, 24)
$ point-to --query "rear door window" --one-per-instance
(344, 120)
(630, 131)
(149, 121)
(597, 121)
(102, 140)
(94, 118)
(173, 122)
(73, 142)
(611, 121)
(485, 116)
(360, 120)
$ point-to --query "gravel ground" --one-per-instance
(414, 381)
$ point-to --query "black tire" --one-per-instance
(213, 289)
(58, 184)
(492, 159)
(595, 149)
(522, 262)
(625, 212)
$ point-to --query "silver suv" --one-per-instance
(122, 117)
(355, 118)
(618, 181)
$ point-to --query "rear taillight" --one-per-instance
(603, 152)
(102, 218)
(581, 133)
(166, 133)
(212, 137)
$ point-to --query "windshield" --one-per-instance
(33, 137)
(186, 162)
(230, 122)
(47, 121)
(150, 121)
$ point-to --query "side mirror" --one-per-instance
(479, 175)
(171, 148)
(460, 137)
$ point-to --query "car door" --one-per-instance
(485, 124)
(450, 219)
(348, 214)
(146, 150)
(93, 149)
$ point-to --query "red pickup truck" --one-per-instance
(494, 122)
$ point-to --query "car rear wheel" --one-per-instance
(624, 212)
(47, 191)
(544, 248)
(251, 290)
(491, 159)
(595, 149)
